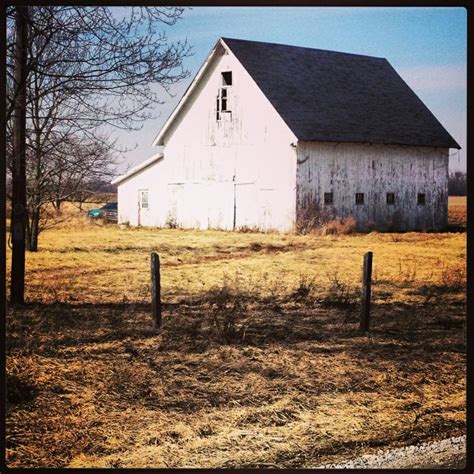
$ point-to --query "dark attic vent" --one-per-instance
(227, 78)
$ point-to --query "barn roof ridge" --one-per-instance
(270, 43)
(325, 95)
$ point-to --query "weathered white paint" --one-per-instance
(237, 172)
(375, 170)
(249, 170)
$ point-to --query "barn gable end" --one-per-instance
(243, 154)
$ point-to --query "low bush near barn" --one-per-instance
(260, 362)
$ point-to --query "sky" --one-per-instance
(426, 45)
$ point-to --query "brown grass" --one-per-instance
(260, 362)
(458, 211)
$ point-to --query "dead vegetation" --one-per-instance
(315, 220)
(457, 211)
(260, 362)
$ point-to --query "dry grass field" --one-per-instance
(457, 211)
(259, 362)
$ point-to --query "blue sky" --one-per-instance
(427, 47)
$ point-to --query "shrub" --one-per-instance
(171, 223)
(228, 306)
(305, 287)
(339, 227)
(246, 229)
(315, 220)
(452, 279)
(340, 293)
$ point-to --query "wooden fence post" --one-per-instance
(366, 289)
(155, 290)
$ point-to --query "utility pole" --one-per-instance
(18, 214)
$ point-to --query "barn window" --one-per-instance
(328, 198)
(222, 103)
(359, 198)
(223, 95)
(421, 199)
(390, 198)
(224, 100)
(144, 199)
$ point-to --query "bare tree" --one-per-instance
(87, 68)
(59, 178)
(106, 60)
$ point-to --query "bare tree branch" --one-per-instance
(88, 68)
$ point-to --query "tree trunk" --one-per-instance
(18, 217)
(33, 232)
(34, 204)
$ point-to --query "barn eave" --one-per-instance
(159, 140)
(137, 169)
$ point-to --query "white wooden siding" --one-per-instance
(208, 163)
(375, 170)
(248, 170)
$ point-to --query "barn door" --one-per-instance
(143, 206)
(245, 199)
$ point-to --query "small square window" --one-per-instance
(421, 199)
(391, 198)
(227, 78)
(359, 198)
(328, 198)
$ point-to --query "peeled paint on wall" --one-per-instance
(345, 169)
(237, 171)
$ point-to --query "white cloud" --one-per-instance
(435, 78)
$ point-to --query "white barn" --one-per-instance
(271, 137)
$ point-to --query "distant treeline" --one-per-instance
(457, 184)
(101, 186)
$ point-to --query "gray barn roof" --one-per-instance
(332, 96)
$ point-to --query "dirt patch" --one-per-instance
(445, 454)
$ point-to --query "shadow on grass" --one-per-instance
(225, 357)
(243, 320)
